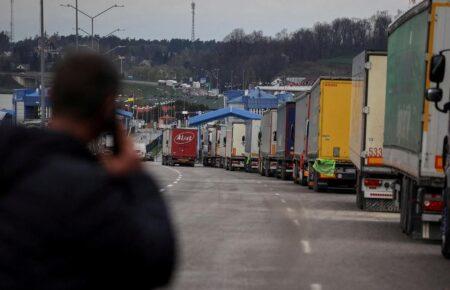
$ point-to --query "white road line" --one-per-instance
(290, 210)
(162, 190)
(175, 182)
(306, 247)
(316, 287)
(277, 194)
(283, 201)
(170, 185)
(296, 222)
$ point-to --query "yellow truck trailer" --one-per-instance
(329, 162)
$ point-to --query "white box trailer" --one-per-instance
(221, 145)
(375, 180)
(252, 141)
(210, 146)
(235, 146)
(268, 160)
(302, 109)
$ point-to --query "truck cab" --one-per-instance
(437, 74)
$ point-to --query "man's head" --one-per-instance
(84, 90)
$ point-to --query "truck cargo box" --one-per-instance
(235, 146)
(302, 108)
(368, 107)
(330, 119)
(415, 130)
(180, 146)
(301, 124)
(268, 133)
(252, 132)
(285, 130)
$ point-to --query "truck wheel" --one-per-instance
(295, 175)
(283, 172)
(359, 197)
(445, 227)
(303, 179)
(261, 168)
(267, 169)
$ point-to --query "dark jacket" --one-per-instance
(66, 224)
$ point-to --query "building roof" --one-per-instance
(222, 114)
(124, 113)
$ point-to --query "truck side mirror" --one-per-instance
(275, 136)
(434, 95)
(437, 68)
(259, 136)
(243, 139)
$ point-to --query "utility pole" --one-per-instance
(193, 21)
(76, 23)
(11, 36)
(42, 50)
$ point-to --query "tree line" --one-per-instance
(239, 60)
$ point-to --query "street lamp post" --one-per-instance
(42, 51)
(92, 18)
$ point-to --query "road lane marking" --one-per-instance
(306, 247)
(283, 201)
(316, 287)
(170, 185)
(175, 182)
(277, 194)
(162, 190)
(290, 210)
(296, 222)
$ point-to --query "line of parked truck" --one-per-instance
(374, 132)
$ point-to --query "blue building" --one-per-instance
(258, 101)
(27, 105)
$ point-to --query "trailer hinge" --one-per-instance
(366, 110)
(368, 65)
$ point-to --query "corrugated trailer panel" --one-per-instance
(221, 141)
(357, 105)
(405, 94)
(335, 119)
(376, 102)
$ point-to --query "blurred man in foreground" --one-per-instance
(69, 220)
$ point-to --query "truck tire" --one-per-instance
(283, 174)
(303, 179)
(359, 195)
(267, 169)
(406, 212)
(295, 175)
(261, 167)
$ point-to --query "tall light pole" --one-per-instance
(42, 50)
(92, 18)
(76, 24)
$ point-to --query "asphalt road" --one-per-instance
(243, 231)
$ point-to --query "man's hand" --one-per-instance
(127, 161)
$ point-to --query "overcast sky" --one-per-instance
(165, 19)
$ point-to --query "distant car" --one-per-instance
(149, 157)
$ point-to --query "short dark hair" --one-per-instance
(81, 85)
